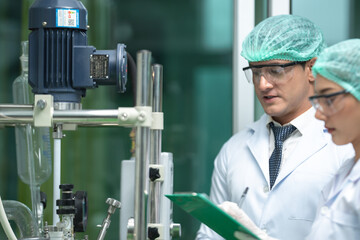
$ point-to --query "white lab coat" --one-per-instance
(288, 210)
(339, 216)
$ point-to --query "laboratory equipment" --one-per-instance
(113, 205)
(33, 151)
(63, 65)
(61, 68)
(61, 62)
(23, 218)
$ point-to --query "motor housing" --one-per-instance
(60, 61)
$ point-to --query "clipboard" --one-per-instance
(199, 206)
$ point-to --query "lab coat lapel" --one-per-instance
(312, 141)
(258, 144)
(347, 171)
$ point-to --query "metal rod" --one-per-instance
(15, 107)
(14, 113)
(142, 144)
(155, 145)
(24, 115)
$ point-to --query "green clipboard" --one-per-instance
(199, 206)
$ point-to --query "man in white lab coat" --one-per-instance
(284, 168)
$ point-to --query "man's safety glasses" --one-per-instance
(272, 72)
(328, 104)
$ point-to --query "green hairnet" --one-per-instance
(340, 63)
(284, 37)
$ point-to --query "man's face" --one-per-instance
(284, 95)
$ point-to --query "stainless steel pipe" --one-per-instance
(155, 147)
(142, 144)
(23, 114)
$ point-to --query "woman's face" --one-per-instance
(343, 122)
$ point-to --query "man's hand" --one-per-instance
(239, 215)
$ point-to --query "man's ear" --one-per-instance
(309, 66)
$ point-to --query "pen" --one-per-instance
(242, 199)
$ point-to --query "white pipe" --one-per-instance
(5, 223)
(57, 177)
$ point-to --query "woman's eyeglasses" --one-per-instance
(328, 104)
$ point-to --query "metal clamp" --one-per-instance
(158, 121)
(138, 116)
(43, 110)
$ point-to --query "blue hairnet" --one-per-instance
(283, 37)
(340, 63)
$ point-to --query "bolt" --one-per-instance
(44, 24)
(141, 117)
(41, 104)
(113, 205)
(124, 116)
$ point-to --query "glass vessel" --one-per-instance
(33, 149)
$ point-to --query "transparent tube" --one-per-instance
(40, 137)
(5, 223)
(33, 150)
(22, 216)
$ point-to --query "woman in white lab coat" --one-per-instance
(337, 103)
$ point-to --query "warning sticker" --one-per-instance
(67, 18)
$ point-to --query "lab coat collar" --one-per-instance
(258, 144)
(348, 173)
(313, 139)
(309, 127)
(355, 172)
(301, 122)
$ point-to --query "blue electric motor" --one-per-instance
(60, 61)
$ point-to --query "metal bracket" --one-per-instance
(138, 116)
(158, 121)
(43, 110)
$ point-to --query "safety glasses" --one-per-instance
(328, 104)
(272, 72)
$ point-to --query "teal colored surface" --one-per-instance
(199, 206)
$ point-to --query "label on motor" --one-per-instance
(99, 66)
(67, 18)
